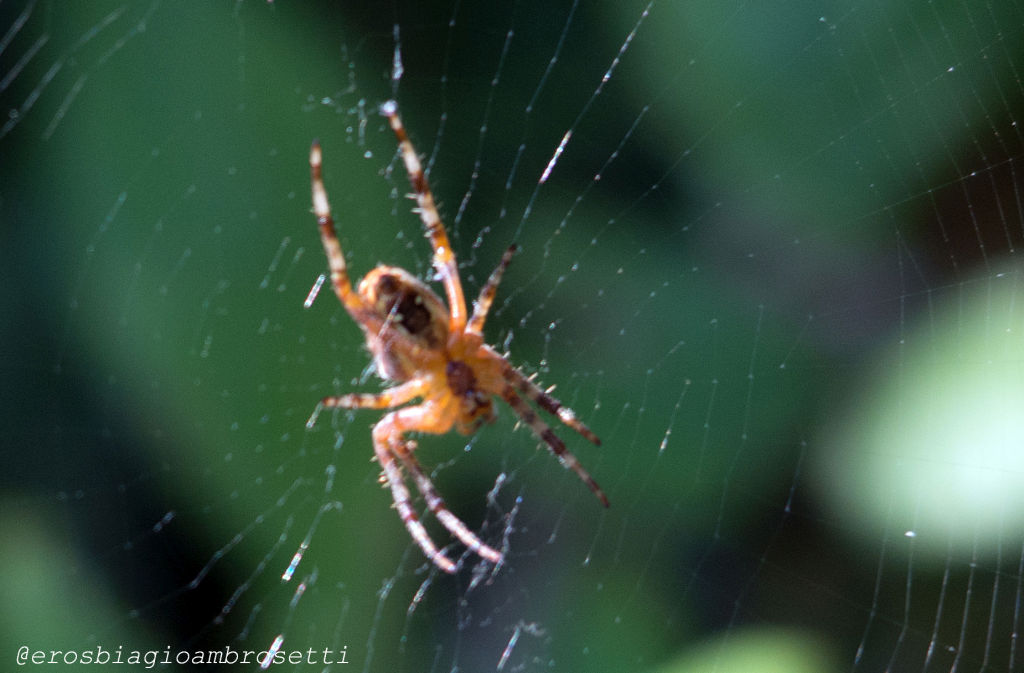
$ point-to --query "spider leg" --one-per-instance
(556, 445)
(392, 397)
(546, 402)
(436, 504)
(388, 438)
(383, 439)
(329, 237)
(444, 257)
(490, 288)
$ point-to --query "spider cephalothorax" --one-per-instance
(432, 352)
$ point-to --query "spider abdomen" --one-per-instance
(415, 321)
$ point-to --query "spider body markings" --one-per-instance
(434, 352)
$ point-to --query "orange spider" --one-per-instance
(434, 353)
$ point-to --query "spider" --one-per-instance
(432, 352)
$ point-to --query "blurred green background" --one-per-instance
(775, 269)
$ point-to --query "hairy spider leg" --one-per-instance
(547, 435)
(444, 256)
(335, 258)
(388, 438)
(483, 303)
(392, 397)
(542, 399)
(404, 450)
(403, 503)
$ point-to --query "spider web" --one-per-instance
(770, 255)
